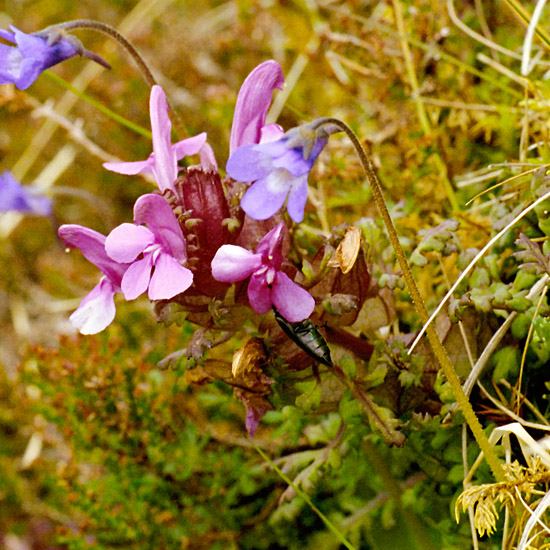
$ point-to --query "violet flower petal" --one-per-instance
(233, 263)
(92, 245)
(253, 102)
(297, 199)
(136, 279)
(97, 310)
(267, 195)
(155, 211)
(293, 302)
(259, 293)
(22, 64)
(169, 278)
(125, 242)
(15, 197)
(248, 163)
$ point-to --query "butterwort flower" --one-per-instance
(16, 198)
(162, 164)
(279, 169)
(155, 252)
(97, 309)
(34, 53)
(268, 286)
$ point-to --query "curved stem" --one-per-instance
(111, 32)
(436, 345)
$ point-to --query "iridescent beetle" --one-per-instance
(306, 336)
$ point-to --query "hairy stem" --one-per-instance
(436, 345)
(111, 32)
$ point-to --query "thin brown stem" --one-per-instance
(439, 351)
(111, 32)
(391, 436)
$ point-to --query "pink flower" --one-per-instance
(251, 108)
(97, 309)
(268, 286)
(252, 104)
(162, 164)
(160, 246)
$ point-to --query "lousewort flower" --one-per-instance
(279, 169)
(16, 198)
(268, 286)
(34, 53)
(252, 104)
(160, 246)
(162, 164)
(97, 309)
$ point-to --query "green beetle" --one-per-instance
(306, 336)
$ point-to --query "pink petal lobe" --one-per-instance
(189, 146)
(271, 132)
(125, 242)
(136, 279)
(293, 302)
(234, 263)
(271, 244)
(97, 309)
(259, 294)
(155, 211)
(169, 278)
(253, 102)
(208, 159)
(165, 169)
(92, 245)
(131, 168)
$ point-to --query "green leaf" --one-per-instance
(506, 362)
(348, 366)
(310, 399)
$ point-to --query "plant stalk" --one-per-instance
(111, 32)
(436, 345)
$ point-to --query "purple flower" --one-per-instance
(16, 198)
(160, 246)
(97, 309)
(162, 164)
(279, 169)
(268, 286)
(252, 104)
(22, 65)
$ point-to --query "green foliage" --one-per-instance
(137, 457)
